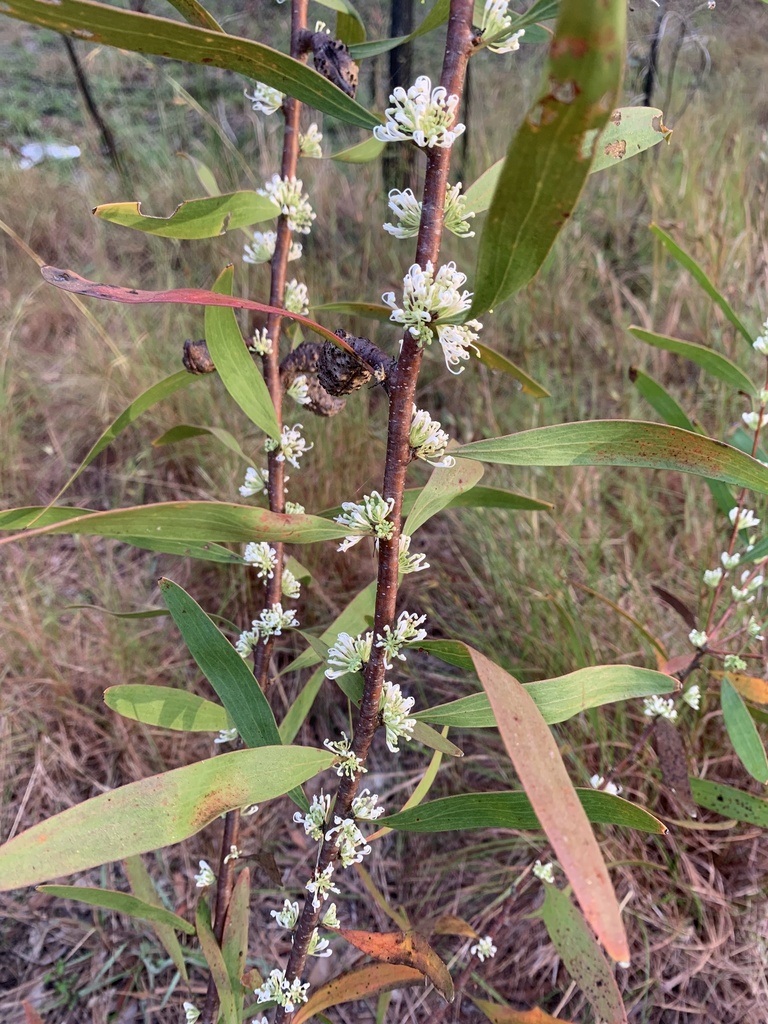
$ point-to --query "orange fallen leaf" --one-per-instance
(506, 1015)
(357, 984)
(751, 687)
(408, 948)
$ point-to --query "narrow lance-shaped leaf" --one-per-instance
(235, 364)
(154, 812)
(185, 431)
(359, 983)
(436, 16)
(234, 940)
(442, 486)
(582, 956)
(712, 362)
(216, 965)
(408, 948)
(121, 902)
(743, 733)
(730, 802)
(144, 33)
(143, 887)
(549, 159)
(195, 218)
(496, 361)
(497, 1014)
(167, 707)
(622, 443)
(537, 761)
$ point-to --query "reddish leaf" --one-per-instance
(407, 948)
(537, 760)
(357, 984)
(31, 1015)
(506, 1015)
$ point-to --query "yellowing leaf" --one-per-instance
(750, 687)
(357, 984)
(506, 1015)
(407, 948)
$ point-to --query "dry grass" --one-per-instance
(696, 906)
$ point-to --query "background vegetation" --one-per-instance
(696, 902)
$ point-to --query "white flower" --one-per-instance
(226, 736)
(427, 297)
(291, 445)
(407, 208)
(191, 1012)
(746, 518)
(289, 585)
(544, 872)
(293, 508)
(364, 806)
(692, 696)
(249, 809)
(234, 854)
(712, 577)
(659, 706)
(314, 820)
(279, 990)
(349, 840)
(263, 248)
(751, 420)
(495, 21)
(760, 344)
(394, 710)
(405, 632)
(309, 146)
(287, 916)
(296, 298)
(366, 517)
(423, 114)
(733, 663)
(262, 557)
(754, 628)
(321, 886)
(483, 949)
(598, 782)
(264, 98)
(261, 343)
(698, 638)
(456, 340)
(256, 481)
(329, 918)
(299, 390)
(730, 561)
(348, 654)
(317, 946)
(206, 876)
(428, 440)
(271, 622)
(291, 201)
(407, 562)
(349, 764)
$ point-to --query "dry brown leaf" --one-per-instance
(357, 984)
(506, 1015)
(408, 948)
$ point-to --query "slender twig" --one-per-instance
(459, 45)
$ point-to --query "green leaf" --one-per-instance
(234, 939)
(434, 740)
(143, 887)
(184, 431)
(366, 310)
(496, 361)
(143, 33)
(622, 443)
(581, 955)
(196, 218)
(203, 173)
(547, 162)
(166, 707)
(730, 802)
(630, 130)
(353, 620)
(514, 810)
(743, 732)
(298, 711)
(437, 16)
(477, 497)
(154, 812)
(361, 153)
(223, 667)
(121, 902)
(349, 16)
(670, 410)
(196, 14)
(709, 360)
(215, 961)
(234, 363)
(701, 279)
(181, 522)
(539, 766)
(442, 486)
(557, 699)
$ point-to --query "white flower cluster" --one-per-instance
(423, 114)
(429, 297)
(760, 344)
(264, 98)
(497, 22)
(598, 782)
(289, 585)
(698, 638)
(544, 872)
(263, 248)
(660, 707)
(394, 708)
(407, 562)
(349, 763)
(290, 447)
(262, 557)
(321, 886)
(743, 519)
(288, 196)
(227, 735)
(271, 622)
(261, 343)
(256, 481)
(309, 142)
(287, 916)
(296, 298)
(366, 517)
(349, 840)
(364, 806)
(277, 989)
(752, 420)
(348, 654)
(406, 631)
(407, 209)
(314, 820)
(293, 508)
(299, 390)
(191, 1013)
(206, 876)
(484, 949)
(428, 440)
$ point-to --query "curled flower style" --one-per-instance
(206, 875)
(262, 557)
(407, 562)
(318, 947)
(692, 695)
(321, 886)
(288, 196)
(296, 297)
(330, 918)
(366, 517)
(349, 763)
(743, 519)
(287, 916)
(497, 22)
(264, 98)
(349, 840)
(309, 146)
(407, 208)
(263, 248)
(227, 736)
(456, 340)
(544, 872)
(315, 818)
(261, 343)
(299, 390)
(364, 806)
(289, 585)
(394, 709)
(191, 1013)
(279, 990)
(598, 782)
(256, 481)
(291, 445)
(348, 654)
(271, 622)
(423, 114)
(428, 440)
(406, 631)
